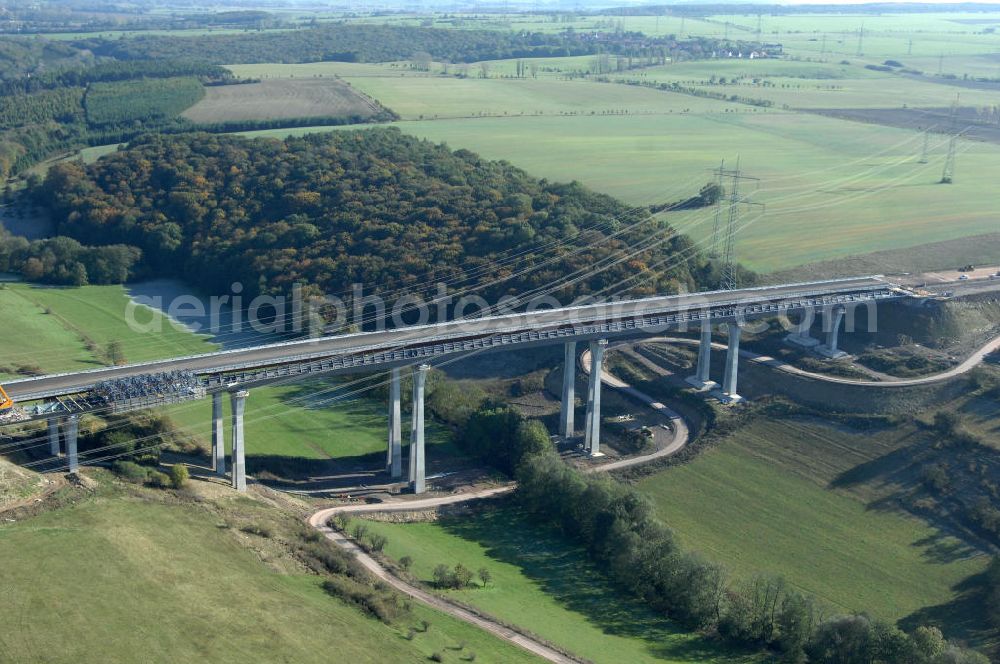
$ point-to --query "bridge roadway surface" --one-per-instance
(722, 304)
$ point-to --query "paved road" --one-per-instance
(320, 519)
(428, 335)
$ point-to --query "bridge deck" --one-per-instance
(717, 304)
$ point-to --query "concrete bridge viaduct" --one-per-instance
(65, 397)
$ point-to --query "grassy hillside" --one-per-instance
(68, 329)
(762, 502)
(547, 586)
(126, 579)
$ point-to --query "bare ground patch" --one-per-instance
(974, 124)
(281, 99)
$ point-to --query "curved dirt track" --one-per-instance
(320, 519)
(975, 359)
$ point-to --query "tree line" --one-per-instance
(353, 42)
(639, 553)
(64, 261)
(375, 207)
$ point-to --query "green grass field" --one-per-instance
(761, 502)
(832, 188)
(119, 580)
(309, 420)
(547, 586)
(79, 325)
(416, 96)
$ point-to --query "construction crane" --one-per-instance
(5, 401)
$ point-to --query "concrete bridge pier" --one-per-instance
(701, 380)
(54, 436)
(218, 436)
(239, 402)
(799, 336)
(729, 394)
(417, 461)
(394, 452)
(832, 318)
(592, 438)
(567, 427)
(72, 430)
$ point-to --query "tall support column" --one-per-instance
(701, 379)
(239, 402)
(566, 424)
(732, 364)
(592, 440)
(799, 336)
(72, 429)
(218, 436)
(417, 480)
(54, 436)
(833, 317)
(394, 453)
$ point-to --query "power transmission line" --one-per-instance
(948, 174)
(713, 251)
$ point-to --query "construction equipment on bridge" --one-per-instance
(5, 401)
(146, 390)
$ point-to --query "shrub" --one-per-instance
(359, 531)
(179, 476)
(257, 529)
(157, 479)
(129, 471)
(377, 542)
(406, 562)
(386, 606)
(437, 657)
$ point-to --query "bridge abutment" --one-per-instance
(218, 436)
(592, 438)
(567, 413)
(417, 460)
(394, 453)
(239, 401)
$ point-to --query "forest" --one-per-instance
(64, 261)
(375, 207)
(380, 43)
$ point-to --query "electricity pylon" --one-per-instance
(948, 174)
(729, 276)
(923, 155)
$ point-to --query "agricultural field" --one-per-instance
(546, 586)
(127, 101)
(280, 99)
(764, 501)
(807, 85)
(68, 329)
(162, 582)
(415, 96)
(831, 188)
